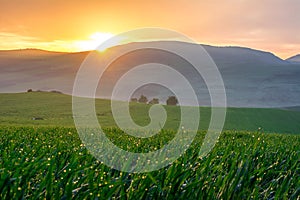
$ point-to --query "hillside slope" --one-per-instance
(252, 78)
(56, 110)
(294, 59)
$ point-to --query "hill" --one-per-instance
(243, 56)
(56, 110)
(294, 59)
(252, 78)
(38, 69)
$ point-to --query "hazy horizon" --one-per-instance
(79, 51)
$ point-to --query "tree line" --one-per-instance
(172, 100)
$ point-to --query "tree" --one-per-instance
(143, 99)
(154, 101)
(172, 100)
(29, 90)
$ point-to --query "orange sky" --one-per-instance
(271, 25)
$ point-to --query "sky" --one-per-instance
(75, 25)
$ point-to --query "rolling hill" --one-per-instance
(294, 59)
(252, 78)
(55, 109)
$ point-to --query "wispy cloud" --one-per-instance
(16, 41)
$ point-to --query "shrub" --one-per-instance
(133, 100)
(154, 101)
(56, 91)
(143, 99)
(172, 100)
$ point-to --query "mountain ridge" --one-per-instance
(204, 45)
(294, 59)
(252, 78)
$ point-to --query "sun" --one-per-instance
(97, 41)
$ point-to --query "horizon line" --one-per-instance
(217, 46)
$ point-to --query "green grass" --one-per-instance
(51, 162)
(56, 109)
(46, 158)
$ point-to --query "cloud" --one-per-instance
(16, 41)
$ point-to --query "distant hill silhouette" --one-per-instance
(294, 59)
(228, 56)
(252, 78)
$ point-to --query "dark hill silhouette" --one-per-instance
(294, 59)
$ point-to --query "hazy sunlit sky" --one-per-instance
(76, 25)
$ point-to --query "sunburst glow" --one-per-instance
(96, 41)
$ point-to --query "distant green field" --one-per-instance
(56, 110)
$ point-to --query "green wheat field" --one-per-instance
(256, 157)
